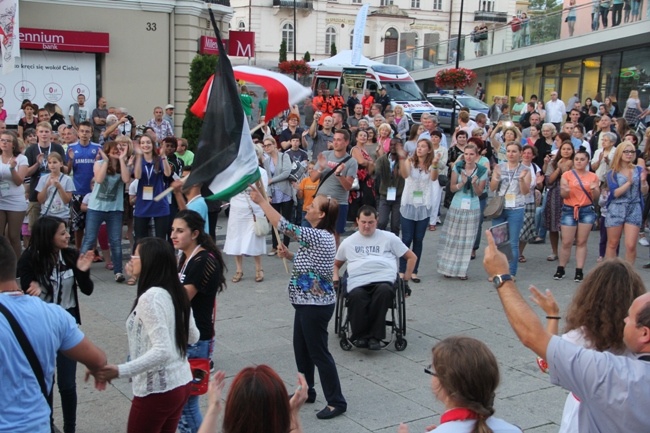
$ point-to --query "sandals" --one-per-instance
(237, 277)
(109, 266)
(432, 228)
(465, 278)
(552, 258)
(522, 259)
(259, 276)
(132, 280)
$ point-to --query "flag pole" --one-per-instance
(260, 188)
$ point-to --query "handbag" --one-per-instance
(443, 180)
(495, 204)
(261, 226)
(200, 375)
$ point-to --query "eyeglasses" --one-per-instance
(430, 370)
(629, 151)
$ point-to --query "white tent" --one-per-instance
(344, 58)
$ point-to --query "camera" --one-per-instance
(128, 116)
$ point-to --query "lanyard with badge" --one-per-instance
(418, 195)
(466, 202)
(391, 191)
(511, 197)
(147, 190)
(181, 274)
(45, 155)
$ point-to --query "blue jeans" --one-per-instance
(515, 218)
(539, 219)
(113, 221)
(413, 232)
(191, 417)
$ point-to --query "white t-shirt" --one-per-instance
(54, 204)
(371, 259)
(12, 196)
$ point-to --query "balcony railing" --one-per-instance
(491, 17)
(540, 28)
(305, 4)
(219, 2)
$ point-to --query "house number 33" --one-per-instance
(151, 27)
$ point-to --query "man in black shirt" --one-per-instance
(383, 99)
(351, 103)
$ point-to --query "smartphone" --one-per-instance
(501, 235)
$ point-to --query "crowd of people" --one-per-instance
(352, 162)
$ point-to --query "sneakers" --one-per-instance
(119, 278)
(643, 241)
(272, 252)
(579, 277)
(559, 274)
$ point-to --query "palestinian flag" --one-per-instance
(225, 159)
(283, 91)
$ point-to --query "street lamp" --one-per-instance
(460, 29)
(295, 29)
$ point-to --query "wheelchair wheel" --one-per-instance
(400, 343)
(400, 302)
(345, 344)
(339, 309)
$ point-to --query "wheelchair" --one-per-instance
(397, 321)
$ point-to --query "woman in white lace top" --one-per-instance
(159, 328)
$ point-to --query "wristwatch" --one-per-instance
(499, 280)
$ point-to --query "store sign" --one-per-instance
(208, 45)
(63, 40)
(242, 44)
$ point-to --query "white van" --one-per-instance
(399, 85)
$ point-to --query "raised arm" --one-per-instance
(521, 316)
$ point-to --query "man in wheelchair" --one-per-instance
(372, 257)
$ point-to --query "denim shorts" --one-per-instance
(586, 215)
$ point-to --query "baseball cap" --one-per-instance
(354, 92)
(168, 106)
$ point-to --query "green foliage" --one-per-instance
(307, 57)
(283, 51)
(333, 50)
(546, 20)
(201, 68)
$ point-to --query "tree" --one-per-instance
(201, 68)
(332, 49)
(546, 20)
(307, 57)
(283, 51)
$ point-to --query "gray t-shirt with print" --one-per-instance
(332, 186)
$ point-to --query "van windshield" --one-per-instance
(403, 91)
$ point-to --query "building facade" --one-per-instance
(144, 59)
(392, 25)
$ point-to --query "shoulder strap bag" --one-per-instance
(49, 203)
(27, 349)
(329, 173)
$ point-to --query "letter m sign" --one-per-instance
(241, 44)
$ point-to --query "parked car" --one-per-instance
(444, 103)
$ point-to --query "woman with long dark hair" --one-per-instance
(159, 328)
(53, 271)
(464, 378)
(107, 202)
(554, 168)
(312, 294)
(201, 270)
(365, 195)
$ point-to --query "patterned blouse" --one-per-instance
(313, 264)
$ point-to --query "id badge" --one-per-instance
(4, 188)
(466, 204)
(147, 193)
(511, 199)
(418, 197)
(391, 193)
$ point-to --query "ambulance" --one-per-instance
(399, 85)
